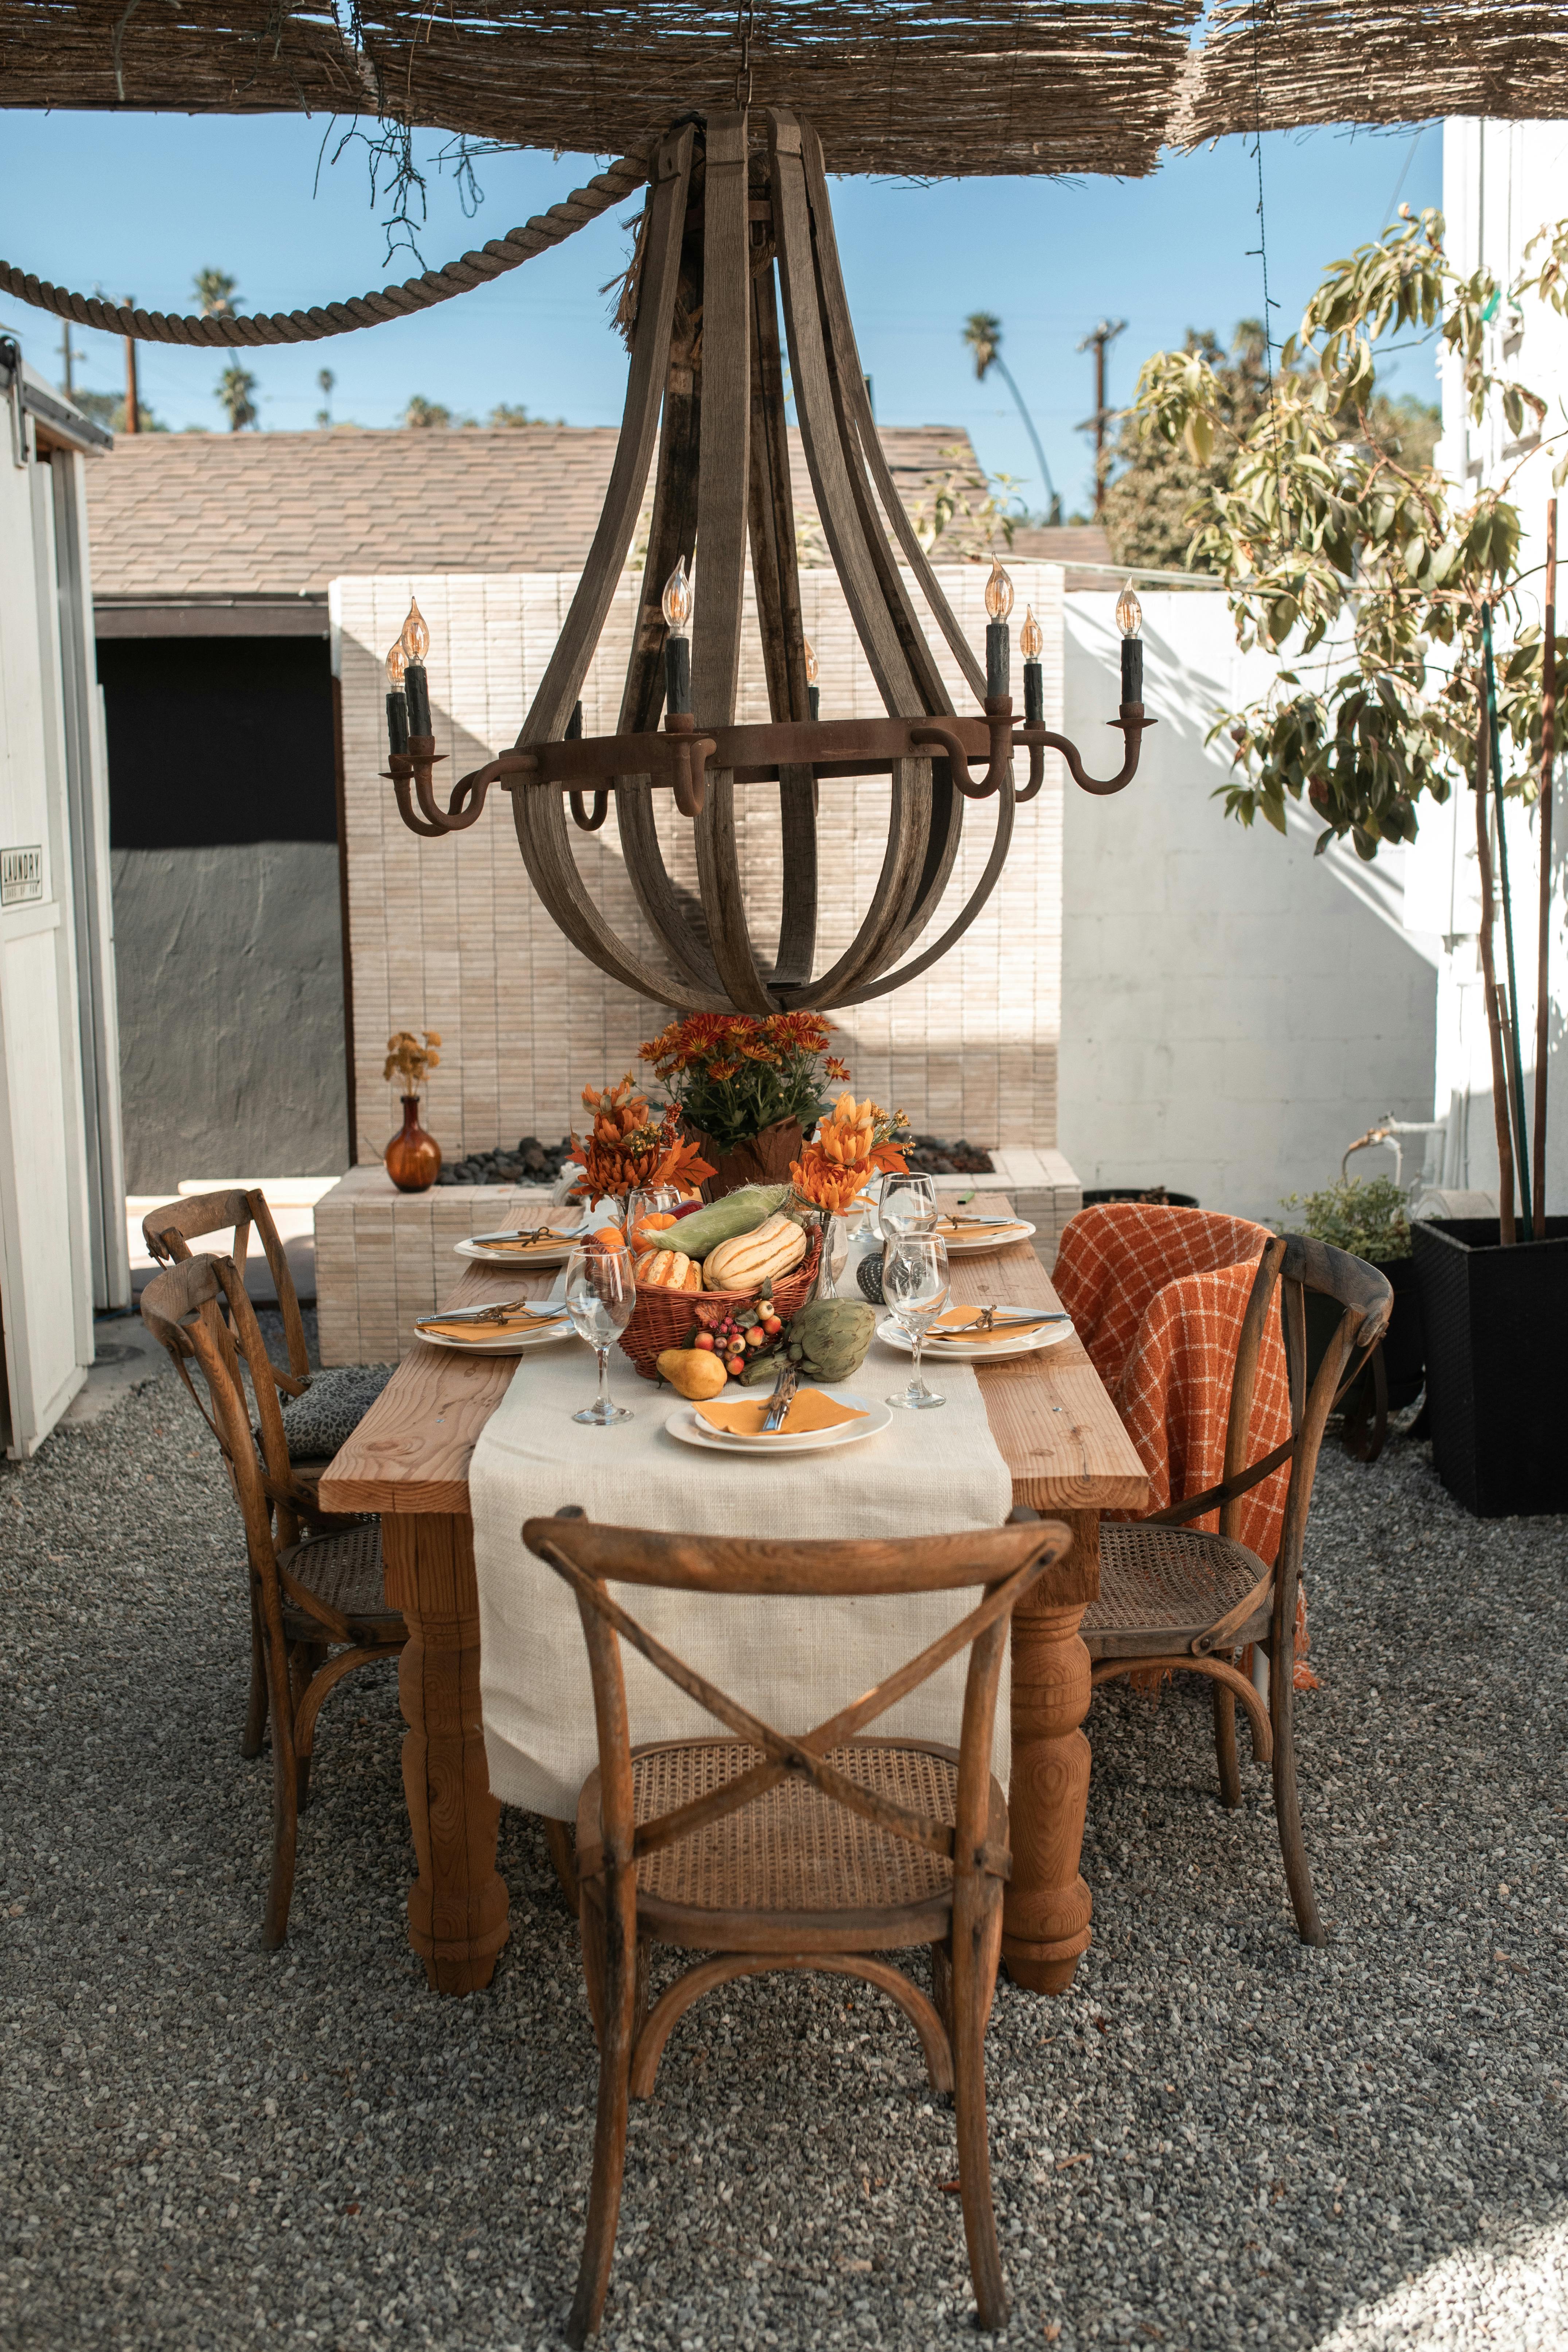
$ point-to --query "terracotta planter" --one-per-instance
(761, 1160)
(413, 1158)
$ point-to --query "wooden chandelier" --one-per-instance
(721, 225)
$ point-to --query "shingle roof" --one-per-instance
(278, 515)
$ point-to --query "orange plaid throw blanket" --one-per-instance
(1157, 1295)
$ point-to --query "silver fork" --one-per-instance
(781, 1400)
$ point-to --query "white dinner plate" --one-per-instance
(479, 1251)
(1031, 1336)
(973, 1240)
(686, 1423)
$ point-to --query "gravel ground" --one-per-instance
(1218, 2137)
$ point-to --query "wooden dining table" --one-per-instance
(1068, 1456)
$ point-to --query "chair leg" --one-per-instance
(976, 1944)
(1287, 1809)
(255, 1730)
(620, 1961)
(591, 1925)
(285, 1813)
(1225, 1746)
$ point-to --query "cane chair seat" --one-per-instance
(344, 1572)
(793, 1857)
(1161, 1586)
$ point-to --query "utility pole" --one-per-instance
(132, 407)
(67, 361)
(1102, 336)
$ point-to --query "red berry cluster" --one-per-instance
(735, 1337)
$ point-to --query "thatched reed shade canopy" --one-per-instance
(912, 87)
(905, 86)
(1297, 62)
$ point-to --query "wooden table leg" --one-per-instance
(457, 1905)
(1046, 1911)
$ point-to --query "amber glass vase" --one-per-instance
(413, 1158)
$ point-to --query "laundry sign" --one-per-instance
(21, 875)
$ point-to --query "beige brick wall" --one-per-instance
(449, 935)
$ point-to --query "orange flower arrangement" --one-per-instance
(854, 1143)
(628, 1149)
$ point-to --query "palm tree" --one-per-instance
(217, 293)
(983, 334)
(236, 395)
(426, 416)
(325, 381)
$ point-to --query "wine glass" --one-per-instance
(649, 1200)
(915, 1287)
(907, 1205)
(600, 1292)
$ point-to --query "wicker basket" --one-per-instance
(663, 1318)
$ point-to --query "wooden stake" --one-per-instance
(1506, 1232)
(1543, 944)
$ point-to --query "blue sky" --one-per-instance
(135, 205)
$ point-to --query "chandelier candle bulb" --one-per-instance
(998, 637)
(1031, 644)
(396, 702)
(677, 605)
(1129, 621)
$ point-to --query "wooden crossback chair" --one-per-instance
(769, 1851)
(170, 1229)
(320, 1605)
(1175, 1599)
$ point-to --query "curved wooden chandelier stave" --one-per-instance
(707, 378)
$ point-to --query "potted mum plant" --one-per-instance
(746, 1088)
(1366, 1215)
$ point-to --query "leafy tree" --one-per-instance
(236, 395)
(1329, 530)
(108, 409)
(428, 415)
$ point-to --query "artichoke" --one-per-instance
(826, 1341)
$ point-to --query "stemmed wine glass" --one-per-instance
(650, 1200)
(915, 1287)
(907, 1205)
(600, 1292)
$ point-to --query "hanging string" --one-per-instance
(1261, 249)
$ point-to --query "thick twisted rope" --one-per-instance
(416, 294)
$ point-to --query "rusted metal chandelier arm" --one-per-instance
(1039, 740)
(416, 765)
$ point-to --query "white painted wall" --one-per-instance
(1234, 1010)
(1501, 182)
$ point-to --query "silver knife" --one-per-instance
(994, 1322)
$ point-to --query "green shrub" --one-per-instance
(1364, 1216)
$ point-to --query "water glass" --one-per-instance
(600, 1292)
(915, 1287)
(907, 1205)
(650, 1200)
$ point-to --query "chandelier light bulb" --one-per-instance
(998, 591)
(1128, 612)
(394, 666)
(677, 601)
(1031, 636)
(810, 663)
(416, 637)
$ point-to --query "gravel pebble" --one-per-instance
(1217, 2138)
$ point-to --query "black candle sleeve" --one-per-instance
(417, 694)
(397, 721)
(814, 701)
(678, 675)
(1034, 695)
(998, 658)
(1132, 669)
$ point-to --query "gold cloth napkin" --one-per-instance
(951, 1315)
(493, 1328)
(744, 1416)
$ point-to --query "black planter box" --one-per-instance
(1497, 1362)
(1404, 1343)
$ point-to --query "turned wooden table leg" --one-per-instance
(1046, 1911)
(457, 1905)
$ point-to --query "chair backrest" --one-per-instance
(180, 1307)
(1007, 1561)
(170, 1230)
(1113, 1258)
(1294, 1264)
